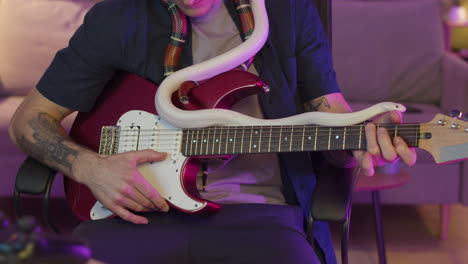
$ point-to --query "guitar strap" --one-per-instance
(179, 33)
(177, 43)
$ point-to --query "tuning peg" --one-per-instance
(456, 114)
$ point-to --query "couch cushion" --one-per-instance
(31, 32)
(388, 50)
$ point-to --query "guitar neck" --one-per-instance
(296, 138)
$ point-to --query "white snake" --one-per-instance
(231, 59)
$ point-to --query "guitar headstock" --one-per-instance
(447, 138)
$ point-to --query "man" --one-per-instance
(263, 213)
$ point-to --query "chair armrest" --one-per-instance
(33, 177)
(331, 200)
(454, 83)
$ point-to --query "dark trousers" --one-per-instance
(240, 233)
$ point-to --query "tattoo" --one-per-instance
(48, 144)
(315, 104)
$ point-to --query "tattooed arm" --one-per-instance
(380, 147)
(36, 129)
(114, 180)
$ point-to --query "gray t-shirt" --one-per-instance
(252, 178)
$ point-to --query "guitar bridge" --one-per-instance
(109, 140)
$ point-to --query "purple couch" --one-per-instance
(389, 50)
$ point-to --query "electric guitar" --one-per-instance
(127, 106)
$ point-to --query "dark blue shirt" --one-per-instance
(132, 36)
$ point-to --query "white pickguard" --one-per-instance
(164, 175)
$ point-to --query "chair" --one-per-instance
(331, 200)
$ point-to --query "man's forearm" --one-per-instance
(43, 138)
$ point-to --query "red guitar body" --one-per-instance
(128, 92)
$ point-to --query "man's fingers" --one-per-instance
(389, 152)
(371, 139)
(148, 191)
(130, 204)
(148, 155)
(134, 194)
(127, 215)
(367, 164)
(408, 155)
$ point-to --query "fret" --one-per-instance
(291, 138)
(242, 140)
(196, 142)
(280, 136)
(234, 141)
(260, 140)
(303, 137)
(202, 141)
(329, 137)
(396, 131)
(220, 140)
(308, 138)
(316, 136)
(416, 142)
(269, 140)
(191, 142)
(185, 142)
(250, 143)
(213, 143)
(344, 138)
(207, 140)
(360, 136)
(350, 137)
(227, 140)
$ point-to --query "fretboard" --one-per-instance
(297, 138)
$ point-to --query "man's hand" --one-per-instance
(381, 148)
(116, 182)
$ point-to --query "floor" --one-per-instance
(411, 233)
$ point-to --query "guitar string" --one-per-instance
(295, 137)
(249, 129)
(256, 133)
(272, 141)
(222, 128)
(273, 136)
(284, 133)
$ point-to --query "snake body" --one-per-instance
(229, 60)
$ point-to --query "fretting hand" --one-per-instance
(381, 148)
